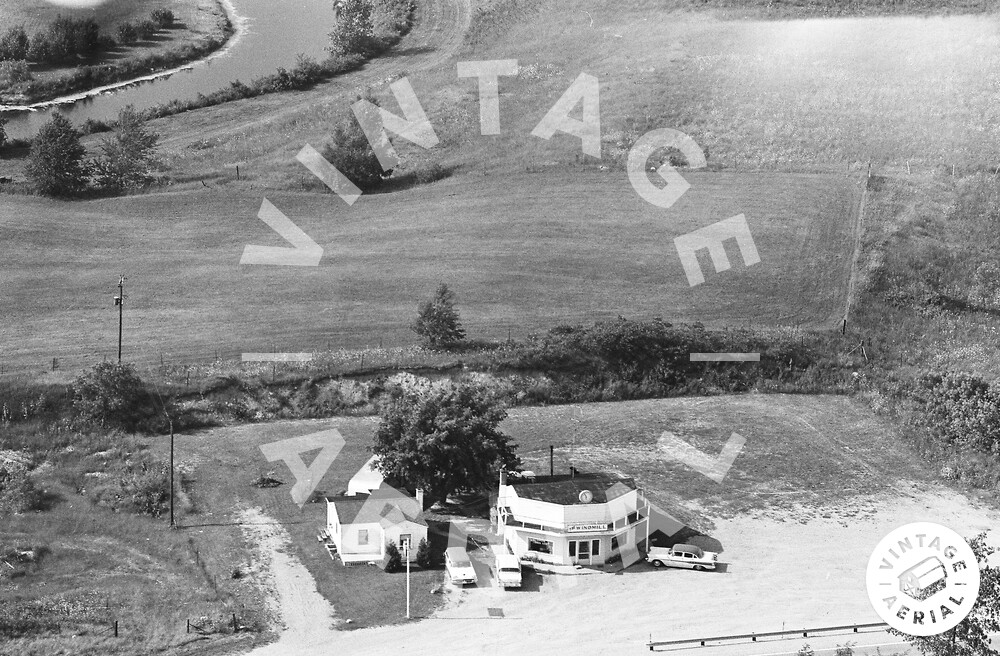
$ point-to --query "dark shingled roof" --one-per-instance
(384, 506)
(565, 489)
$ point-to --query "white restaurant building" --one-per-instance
(571, 519)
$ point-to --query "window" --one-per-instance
(541, 546)
(597, 548)
(614, 543)
(404, 541)
(633, 518)
(362, 536)
(572, 548)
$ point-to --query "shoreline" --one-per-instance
(238, 22)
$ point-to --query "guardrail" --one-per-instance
(770, 634)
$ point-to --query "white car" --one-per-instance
(682, 555)
(508, 570)
(458, 565)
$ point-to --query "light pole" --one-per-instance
(406, 554)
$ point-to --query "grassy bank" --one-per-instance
(200, 27)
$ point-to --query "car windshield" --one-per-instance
(508, 569)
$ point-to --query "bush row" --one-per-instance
(66, 39)
(89, 77)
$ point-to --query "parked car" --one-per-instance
(508, 571)
(458, 565)
(682, 555)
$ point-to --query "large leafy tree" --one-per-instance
(443, 438)
(128, 156)
(109, 394)
(972, 635)
(437, 319)
(56, 166)
(354, 32)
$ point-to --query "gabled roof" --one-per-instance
(564, 489)
(385, 506)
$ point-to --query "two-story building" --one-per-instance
(571, 519)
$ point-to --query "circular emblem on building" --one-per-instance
(923, 579)
(586, 496)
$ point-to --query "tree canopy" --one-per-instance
(127, 157)
(354, 32)
(56, 166)
(443, 437)
(352, 155)
(437, 319)
(971, 637)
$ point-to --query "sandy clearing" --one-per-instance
(779, 574)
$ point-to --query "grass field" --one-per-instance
(818, 455)
(566, 247)
(802, 94)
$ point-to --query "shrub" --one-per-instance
(393, 560)
(164, 18)
(109, 394)
(127, 34)
(14, 72)
(146, 29)
(17, 493)
(432, 173)
(424, 554)
(56, 166)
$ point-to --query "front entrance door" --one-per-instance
(583, 551)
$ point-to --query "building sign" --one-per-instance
(585, 528)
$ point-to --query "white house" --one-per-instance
(571, 519)
(361, 525)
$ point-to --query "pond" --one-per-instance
(269, 35)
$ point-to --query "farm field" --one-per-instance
(560, 247)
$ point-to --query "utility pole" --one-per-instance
(172, 524)
(120, 302)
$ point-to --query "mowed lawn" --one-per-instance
(817, 454)
(523, 253)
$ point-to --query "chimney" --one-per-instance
(420, 498)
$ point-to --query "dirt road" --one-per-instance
(307, 617)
